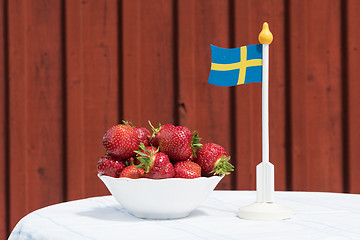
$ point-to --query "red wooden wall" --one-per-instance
(70, 69)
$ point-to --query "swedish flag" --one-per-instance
(235, 66)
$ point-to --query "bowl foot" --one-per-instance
(157, 216)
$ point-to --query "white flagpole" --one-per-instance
(265, 170)
(265, 208)
(265, 103)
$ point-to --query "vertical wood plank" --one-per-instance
(249, 17)
(35, 106)
(316, 87)
(202, 106)
(3, 126)
(75, 122)
(92, 90)
(148, 71)
(17, 104)
(353, 97)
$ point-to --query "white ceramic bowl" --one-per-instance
(160, 198)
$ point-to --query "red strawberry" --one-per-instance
(156, 165)
(157, 132)
(178, 143)
(132, 172)
(121, 141)
(187, 169)
(143, 134)
(213, 160)
(110, 166)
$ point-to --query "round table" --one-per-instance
(316, 216)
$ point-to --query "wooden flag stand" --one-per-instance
(265, 208)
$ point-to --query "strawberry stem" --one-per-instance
(155, 130)
(128, 123)
(195, 143)
(222, 166)
(145, 158)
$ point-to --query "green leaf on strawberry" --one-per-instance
(222, 166)
(195, 143)
(145, 158)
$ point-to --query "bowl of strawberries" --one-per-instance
(165, 174)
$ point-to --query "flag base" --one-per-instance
(265, 211)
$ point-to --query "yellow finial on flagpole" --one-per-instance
(265, 36)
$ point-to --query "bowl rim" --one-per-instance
(158, 180)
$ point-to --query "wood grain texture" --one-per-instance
(92, 69)
(316, 100)
(202, 106)
(75, 122)
(248, 97)
(3, 125)
(70, 69)
(17, 101)
(36, 124)
(148, 62)
(353, 96)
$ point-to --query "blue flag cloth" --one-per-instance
(235, 66)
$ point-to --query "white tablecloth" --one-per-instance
(316, 216)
